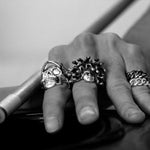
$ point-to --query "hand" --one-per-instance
(119, 58)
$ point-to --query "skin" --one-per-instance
(118, 57)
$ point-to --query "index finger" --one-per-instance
(57, 91)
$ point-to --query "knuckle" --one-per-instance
(112, 42)
(78, 86)
(134, 50)
(84, 41)
(141, 91)
(111, 35)
(84, 37)
(57, 52)
(88, 91)
(111, 38)
(118, 85)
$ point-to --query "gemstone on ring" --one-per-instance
(87, 76)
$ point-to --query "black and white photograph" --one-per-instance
(75, 74)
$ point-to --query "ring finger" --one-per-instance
(118, 88)
(135, 62)
(84, 93)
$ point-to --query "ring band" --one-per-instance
(88, 70)
(53, 74)
(138, 78)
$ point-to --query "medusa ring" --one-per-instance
(89, 70)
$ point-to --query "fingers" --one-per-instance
(85, 94)
(111, 52)
(135, 60)
(53, 107)
(85, 97)
(120, 93)
(118, 58)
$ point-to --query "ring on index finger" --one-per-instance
(53, 74)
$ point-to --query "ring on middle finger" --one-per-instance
(89, 70)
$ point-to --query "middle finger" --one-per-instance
(84, 93)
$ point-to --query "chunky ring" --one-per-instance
(88, 70)
(138, 78)
(53, 74)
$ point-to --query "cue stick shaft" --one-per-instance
(109, 16)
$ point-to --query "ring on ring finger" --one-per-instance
(138, 78)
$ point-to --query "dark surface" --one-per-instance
(32, 134)
(25, 129)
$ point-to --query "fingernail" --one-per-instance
(134, 114)
(88, 114)
(52, 124)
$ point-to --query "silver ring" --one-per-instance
(88, 70)
(138, 78)
(53, 74)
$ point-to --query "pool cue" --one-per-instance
(109, 17)
(14, 100)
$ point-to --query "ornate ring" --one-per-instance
(88, 70)
(138, 78)
(53, 74)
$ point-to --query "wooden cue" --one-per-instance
(14, 100)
